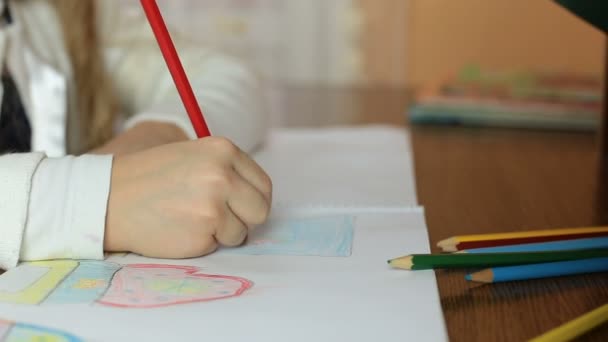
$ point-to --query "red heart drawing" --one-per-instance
(150, 285)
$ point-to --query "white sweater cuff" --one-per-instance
(68, 208)
(16, 172)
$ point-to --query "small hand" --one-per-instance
(182, 200)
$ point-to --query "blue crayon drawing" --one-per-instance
(321, 236)
(85, 284)
(16, 332)
(109, 284)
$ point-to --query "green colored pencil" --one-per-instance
(431, 261)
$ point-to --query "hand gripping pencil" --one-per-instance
(175, 67)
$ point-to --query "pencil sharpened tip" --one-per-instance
(468, 277)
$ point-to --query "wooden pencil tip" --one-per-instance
(402, 263)
(448, 241)
(483, 276)
(450, 248)
(448, 245)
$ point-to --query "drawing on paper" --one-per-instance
(146, 286)
(17, 332)
(321, 236)
(110, 284)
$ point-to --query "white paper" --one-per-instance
(313, 236)
(365, 173)
(294, 298)
(364, 167)
(20, 278)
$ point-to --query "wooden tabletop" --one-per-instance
(474, 180)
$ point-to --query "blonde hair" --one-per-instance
(97, 104)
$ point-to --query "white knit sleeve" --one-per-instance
(16, 172)
(68, 205)
(230, 95)
(229, 92)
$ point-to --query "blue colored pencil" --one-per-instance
(543, 270)
(588, 243)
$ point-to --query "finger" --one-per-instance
(254, 174)
(207, 248)
(247, 202)
(242, 164)
(193, 241)
(184, 248)
(233, 231)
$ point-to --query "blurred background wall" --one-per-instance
(535, 34)
(388, 42)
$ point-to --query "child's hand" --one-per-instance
(182, 200)
(143, 136)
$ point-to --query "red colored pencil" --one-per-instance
(463, 242)
(175, 67)
(494, 243)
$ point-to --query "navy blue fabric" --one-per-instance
(15, 129)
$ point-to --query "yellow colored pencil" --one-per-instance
(498, 239)
(576, 327)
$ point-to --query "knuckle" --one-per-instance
(221, 178)
(235, 236)
(215, 217)
(257, 213)
(198, 243)
(224, 146)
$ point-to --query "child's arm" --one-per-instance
(16, 172)
(229, 93)
(174, 201)
(67, 208)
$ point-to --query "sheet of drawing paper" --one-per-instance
(330, 236)
(236, 297)
(365, 167)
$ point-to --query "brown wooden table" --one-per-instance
(486, 180)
